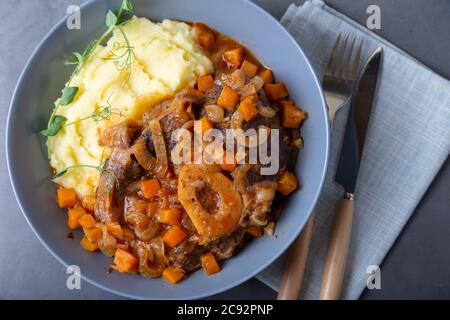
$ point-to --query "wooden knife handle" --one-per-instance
(295, 265)
(333, 273)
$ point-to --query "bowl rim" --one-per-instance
(207, 293)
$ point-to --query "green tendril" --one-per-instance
(80, 59)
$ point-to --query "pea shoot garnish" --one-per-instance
(122, 62)
(102, 113)
(123, 56)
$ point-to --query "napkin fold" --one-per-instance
(408, 141)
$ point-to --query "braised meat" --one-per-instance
(158, 217)
(120, 136)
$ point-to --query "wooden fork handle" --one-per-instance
(333, 274)
(295, 265)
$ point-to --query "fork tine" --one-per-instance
(348, 59)
(340, 62)
(332, 61)
(356, 61)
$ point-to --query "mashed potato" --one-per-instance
(167, 58)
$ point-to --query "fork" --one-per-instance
(341, 73)
(338, 84)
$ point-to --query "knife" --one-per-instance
(346, 176)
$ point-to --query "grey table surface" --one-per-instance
(417, 265)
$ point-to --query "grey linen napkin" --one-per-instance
(408, 141)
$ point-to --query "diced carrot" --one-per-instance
(255, 231)
(88, 245)
(228, 166)
(267, 76)
(285, 102)
(125, 261)
(93, 234)
(292, 117)
(115, 230)
(204, 83)
(252, 97)
(250, 69)
(206, 40)
(234, 56)
(87, 221)
(88, 203)
(287, 183)
(66, 198)
(209, 263)
(174, 236)
(169, 216)
(247, 108)
(152, 208)
(204, 124)
(205, 35)
(228, 98)
(276, 91)
(150, 188)
(74, 216)
(173, 274)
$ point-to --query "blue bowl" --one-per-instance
(45, 75)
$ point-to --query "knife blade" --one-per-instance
(347, 175)
(357, 124)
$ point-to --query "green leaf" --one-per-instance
(111, 19)
(68, 94)
(76, 58)
(126, 6)
(69, 62)
(54, 127)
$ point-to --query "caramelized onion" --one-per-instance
(214, 113)
(257, 82)
(151, 262)
(147, 233)
(247, 90)
(265, 195)
(236, 120)
(258, 221)
(107, 243)
(162, 163)
(270, 228)
(135, 215)
(236, 80)
(266, 112)
(143, 157)
(298, 143)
